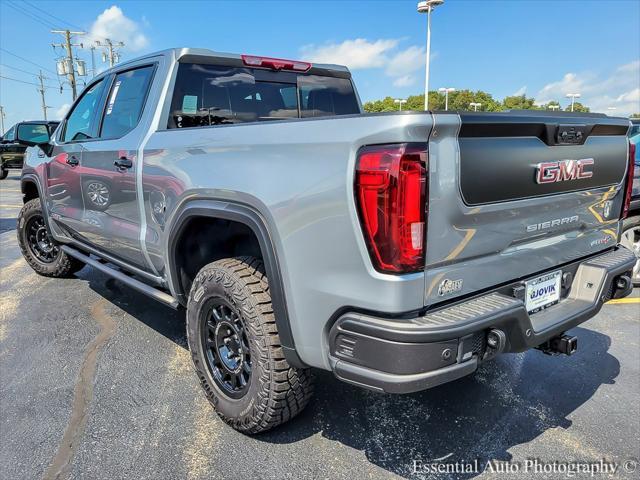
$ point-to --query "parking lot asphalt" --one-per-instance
(96, 382)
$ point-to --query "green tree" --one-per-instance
(577, 107)
(635, 115)
(553, 103)
(385, 105)
(519, 102)
(462, 99)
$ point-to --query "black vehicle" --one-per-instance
(12, 151)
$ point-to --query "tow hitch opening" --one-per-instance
(562, 344)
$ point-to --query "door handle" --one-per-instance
(123, 162)
(73, 160)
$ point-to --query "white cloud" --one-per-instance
(355, 54)
(116, 26)
(360, 53)
(406, 61)
(521, 91)
(619, 89)
(570, 83)
(404, 81)
(61, 111)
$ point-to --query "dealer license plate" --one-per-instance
(543, 291)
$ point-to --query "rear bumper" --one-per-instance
(402, 355)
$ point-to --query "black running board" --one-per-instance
(154, 293)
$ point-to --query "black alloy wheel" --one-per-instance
(39, 241)
(226, 347)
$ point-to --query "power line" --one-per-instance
(17, 80)
(52, 87)
(17, 69)
(28, 61)
(32, 16)
(51, 15)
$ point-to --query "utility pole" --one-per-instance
(1, 120)
(93, 60)
(69, 69)
(41, 77)
(111, 53)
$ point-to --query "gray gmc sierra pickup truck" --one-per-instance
(397, 250)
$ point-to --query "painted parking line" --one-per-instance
(624, 300)
(10, 206)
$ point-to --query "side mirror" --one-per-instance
(33, 134)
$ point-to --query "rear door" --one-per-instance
(515, 194)
(109, 164)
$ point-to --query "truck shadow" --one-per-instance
(7, 224)
(163, 319)
(505, 403)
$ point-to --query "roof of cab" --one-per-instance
(176, 54)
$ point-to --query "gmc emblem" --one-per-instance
(564, 170)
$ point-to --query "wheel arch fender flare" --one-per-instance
(252, 218)
(32, 179)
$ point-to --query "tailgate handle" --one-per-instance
(571, 134)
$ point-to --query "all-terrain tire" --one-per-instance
(276, 391)
(62, 265)
(4, 172)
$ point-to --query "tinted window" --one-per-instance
(216, 95)
(325, 96)
(126, 100)
(33, 132)
(80, 124)
(10, 135)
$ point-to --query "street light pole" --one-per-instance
(1, 120)
(400, 101)
(426, 7)
(446, 96)
(475, 106)
(573, 97)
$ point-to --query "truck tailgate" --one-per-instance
(514, 194)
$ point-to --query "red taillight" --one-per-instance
(275, 63)
(390, 189)
(629, 185)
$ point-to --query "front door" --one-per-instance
(63, 189)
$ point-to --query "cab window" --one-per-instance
(10, 135)
(81, 123)
(126, 101)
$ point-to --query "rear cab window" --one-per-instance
(125, 102)
(206, 95)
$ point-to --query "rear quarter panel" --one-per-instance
(299, 176)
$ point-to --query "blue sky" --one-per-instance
(544, 48)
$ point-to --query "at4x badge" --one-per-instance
(449, 286)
